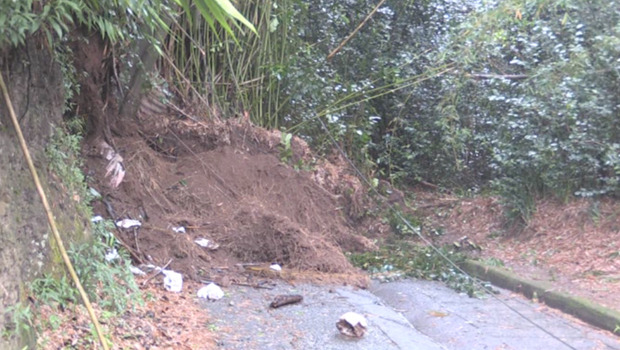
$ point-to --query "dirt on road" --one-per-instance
(226, 182)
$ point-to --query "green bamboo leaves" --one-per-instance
(218, 12)
(231, 11)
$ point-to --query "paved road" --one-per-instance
(460, 322)
(245, 322)
(405, 315)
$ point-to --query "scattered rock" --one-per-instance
(223, 281)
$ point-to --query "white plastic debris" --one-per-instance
(136, 271)
(179, 229)
(211, 292)
(112, 255)
(203, 242)
(128, 223)
(276, 267)
(173, 281)
(352, 324)
(94, 193)
(115, 169)
(95, 219)
(206, 243)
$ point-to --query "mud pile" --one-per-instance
(225, 182)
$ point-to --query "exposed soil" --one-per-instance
(575, 245)
(224, 181)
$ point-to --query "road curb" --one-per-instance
(584, 309)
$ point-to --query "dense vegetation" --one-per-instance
(520, 97)
(515, 97)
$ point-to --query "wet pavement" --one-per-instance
(244, 320)
(404, 315)
(459, 322)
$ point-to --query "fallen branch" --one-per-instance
(132, 252)
(256, 285)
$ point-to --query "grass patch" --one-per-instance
(109, 284)
(404, 259)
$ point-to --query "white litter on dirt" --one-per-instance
(115, 169)
(211, 292)
(173, 281)
(136, 271)
(206, 243)
(94, 193)
(179, 229)
(128, 223)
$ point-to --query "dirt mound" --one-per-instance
(263, 236)
(222, 181)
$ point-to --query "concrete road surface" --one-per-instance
(243, 320)
(457, 321)
(406, 315)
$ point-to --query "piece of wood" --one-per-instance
(282, 300)
(258, 286)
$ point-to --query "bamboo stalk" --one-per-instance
(345, 41)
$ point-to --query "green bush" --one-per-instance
(554, 133)
(519, 97)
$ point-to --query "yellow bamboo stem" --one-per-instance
(345, 41)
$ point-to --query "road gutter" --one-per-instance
(584, 309)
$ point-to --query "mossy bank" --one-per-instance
(35, 86)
